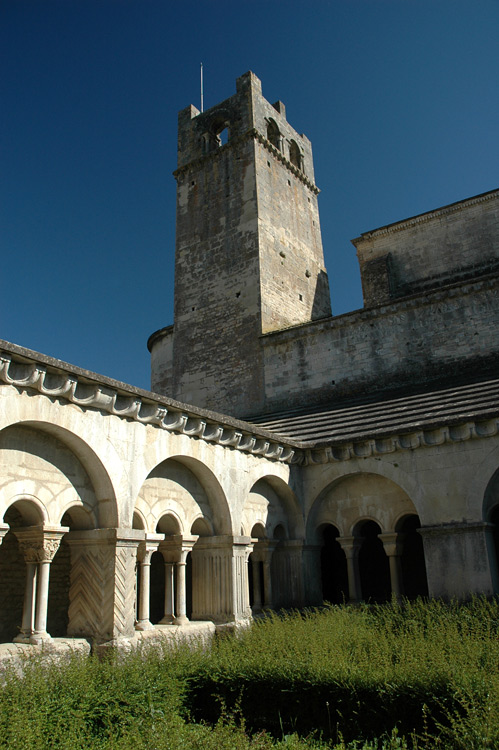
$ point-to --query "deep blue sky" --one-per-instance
(399, 99)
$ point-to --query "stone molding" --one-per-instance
(252, 133)
(425, 438)
(448, 529)
(429, 216)
(173, 418)
(132, 406)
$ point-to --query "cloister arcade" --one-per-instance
(130, 529)
(366, 529)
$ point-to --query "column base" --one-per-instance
(167, 620)
(181, 620)
(22, 638)
(41, 637)
(144, 625)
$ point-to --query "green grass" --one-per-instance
(412, 676)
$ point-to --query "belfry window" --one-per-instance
(273, 134)
(294, 155)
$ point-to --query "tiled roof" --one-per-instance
(337, 424)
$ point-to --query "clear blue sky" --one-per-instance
(399, 99)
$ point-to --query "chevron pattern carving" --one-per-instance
(91, 592)
(102, 591)
(124, 593)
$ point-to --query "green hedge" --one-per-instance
(416, 675)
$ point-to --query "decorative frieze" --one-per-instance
(69, 387)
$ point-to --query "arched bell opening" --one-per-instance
(374, 568)
(412, 558)
(334, 574)
(273, 134)
(295, 156)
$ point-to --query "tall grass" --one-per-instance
(411, 676)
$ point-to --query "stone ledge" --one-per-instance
(54, 379)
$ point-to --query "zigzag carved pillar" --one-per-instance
(38, 545)
(102, 584)
(220, 579)
(145, 553)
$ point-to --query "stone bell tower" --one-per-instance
(249, 256)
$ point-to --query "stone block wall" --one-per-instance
(418, 341)
(453, 243)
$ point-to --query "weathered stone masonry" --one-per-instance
(371, 462)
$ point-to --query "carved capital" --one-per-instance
(38, 545)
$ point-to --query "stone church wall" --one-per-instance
(414, 341)
(453, 243)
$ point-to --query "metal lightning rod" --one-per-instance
(201, 87)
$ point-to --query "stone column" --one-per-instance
(39, 545)
(392, 544)
(144, 572)
(28, 620)
(181, 596)
(169, 594)
(170, 548)
(145, 552)
(351, 546)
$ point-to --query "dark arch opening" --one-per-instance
(60, 581)
(494, 520)
(294, 154)
(273, 134)
(188, 586)
(12, 578)
(157, 588)
(374, 567)
(334, 574)
(412, 559)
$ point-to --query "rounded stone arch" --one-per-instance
(169, 524)
(201, 527)
(271, 502)
(189, 489)
(273, 133)
(258, 530)
(78, 518)
(358, 496)
(295, 155)
(218, 131)
(27, 509)
(98, 498)
(356, 529)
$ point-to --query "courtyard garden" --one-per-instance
(408, 675)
